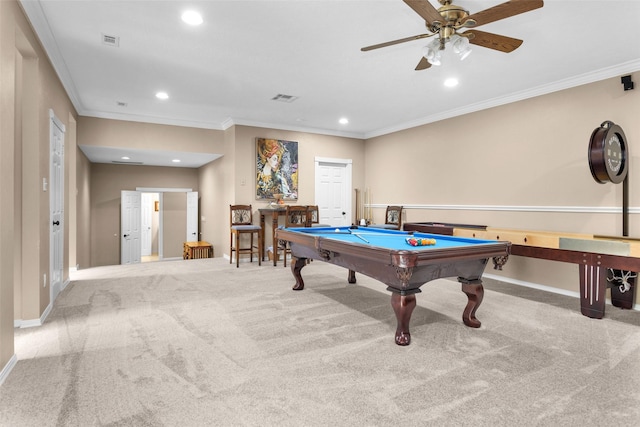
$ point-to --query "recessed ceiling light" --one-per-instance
(125, 158)
(343, 121)
(162, 95)
(176, 160)
(451, 82)
(192, 17)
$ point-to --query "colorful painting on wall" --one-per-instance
(276, 169)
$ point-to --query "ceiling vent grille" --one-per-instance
(284, 98)
(110, 40)
(121, 162)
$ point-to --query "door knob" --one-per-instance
(126, 235)
(344, 213)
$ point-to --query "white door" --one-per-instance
(333, 191)
(130, 222)
(148, 201)
(192, 216)
(56, 205)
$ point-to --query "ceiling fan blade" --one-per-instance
(493, 41)
(423, 64)
(426, 10)
(406, 39)
(505, 10)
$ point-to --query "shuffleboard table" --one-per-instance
(605, 261)
(385, 255)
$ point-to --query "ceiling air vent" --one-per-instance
(110, 40)
(121, 162)
(284, 98)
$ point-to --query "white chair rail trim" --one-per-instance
(507, 208)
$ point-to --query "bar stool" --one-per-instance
(314, 217)
(242, 223)
(392, 219)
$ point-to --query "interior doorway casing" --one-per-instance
(333, 184)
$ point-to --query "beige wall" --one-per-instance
(29, 89)
(148, 136)
(174, 211)
(231, 179)
(118, 133)
(107, 181)
(7, 102)
(83, 213)
(498, 163)
(310, 146)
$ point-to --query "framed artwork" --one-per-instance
(276, 169)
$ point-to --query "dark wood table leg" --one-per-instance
(262, 235)
(593, 287)
(622, 296)
(403, 306)
(475, 292)
(351, 278)
(296, 266)
(274, 227)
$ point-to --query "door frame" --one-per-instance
(160, 191)
(347, 186)
(56, 190)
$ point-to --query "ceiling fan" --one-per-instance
(445, 22)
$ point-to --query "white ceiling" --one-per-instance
(227, 70)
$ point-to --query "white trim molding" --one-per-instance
(8, 368)
(507, 208)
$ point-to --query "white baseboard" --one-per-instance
(8, 368)
(32, 323)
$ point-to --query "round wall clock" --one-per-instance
(608, 153)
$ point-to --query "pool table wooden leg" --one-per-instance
(475, 293)
(403, 306)
(296, 266)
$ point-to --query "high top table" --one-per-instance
(275, 213)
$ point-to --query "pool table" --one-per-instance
(605, 261)
(386, 256)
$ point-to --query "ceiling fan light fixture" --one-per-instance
(432, 52)
(460, 46)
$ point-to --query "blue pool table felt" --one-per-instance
(389, 239)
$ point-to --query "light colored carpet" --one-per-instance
(199, 343)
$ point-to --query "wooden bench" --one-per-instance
(197, 250)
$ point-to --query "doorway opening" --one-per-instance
(176, 210)
(150, 227)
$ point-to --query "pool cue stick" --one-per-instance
(360, 237)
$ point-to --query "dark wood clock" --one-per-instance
(608, 154)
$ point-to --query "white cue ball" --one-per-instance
(337, 230)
